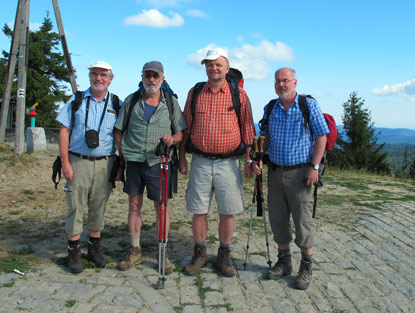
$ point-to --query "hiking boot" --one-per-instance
(169, 267)
(199, 259)
(223, 262)
(133, 257)
(95, 255)
(303, 279)
(74, 260)
(282, 268)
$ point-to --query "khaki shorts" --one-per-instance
(222, 177)
(91, 189)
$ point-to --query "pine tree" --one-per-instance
(46, 74)
(359, 149)
(412, 170)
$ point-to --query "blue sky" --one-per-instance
(336, 47)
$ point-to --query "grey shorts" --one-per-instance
(140, 176)
(289, 196)
(222, 177)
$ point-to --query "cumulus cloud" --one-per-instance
(154, 18)
(406, 89)
(34, 27)
(249, 59)
(164, 3)
(196, 13)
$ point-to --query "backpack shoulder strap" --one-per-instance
(136, 96)
(196, 91)
(233, 86)
(302, 102)
(76, 104)
(169, 102)
(115, 102)
(263, 123)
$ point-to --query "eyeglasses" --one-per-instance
(284, 81)
(102, 75)
(148, 75)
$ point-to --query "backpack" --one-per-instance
(79, 97)
(331, 136)
(76, 104)
(233, 77)
(168, 94)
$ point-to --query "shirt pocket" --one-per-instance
(228, 121)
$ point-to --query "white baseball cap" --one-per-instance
(100, 64)
(214, 54)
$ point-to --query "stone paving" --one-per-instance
(367, 268)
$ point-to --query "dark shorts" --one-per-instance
(140, 175)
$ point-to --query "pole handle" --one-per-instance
(261, 144)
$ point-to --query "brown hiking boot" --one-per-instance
(94, 254)
(282, 268)
(74, 260)
(133, 257)
(223, 262)
(199, 259)
(303, 279)
(169, 267)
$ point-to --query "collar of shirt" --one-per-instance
(224, 88)
(88, 93)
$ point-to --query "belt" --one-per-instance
(273, 166)
(88, 157)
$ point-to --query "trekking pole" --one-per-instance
(261, 154)
(164, 171)
(252, 208)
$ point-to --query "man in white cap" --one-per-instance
(216, 136)
(86, 144)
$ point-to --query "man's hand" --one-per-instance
(183, 165)
(312, 176)
(168, 140)
(258, 167)
(249, 170)
(67, 171)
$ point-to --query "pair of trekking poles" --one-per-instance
(259, 197)
(163, 151)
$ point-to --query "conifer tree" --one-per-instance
(47, 76)
(357, 147)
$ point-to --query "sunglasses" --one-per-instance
(148, 75)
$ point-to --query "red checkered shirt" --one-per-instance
(215, 128)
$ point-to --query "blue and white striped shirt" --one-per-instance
(289, 143)
(77, 141)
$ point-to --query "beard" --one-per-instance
(285, 95)
(151, 90)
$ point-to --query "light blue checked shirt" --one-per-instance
(77, 141)
(289, 144)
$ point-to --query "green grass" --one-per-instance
(70, 303)
(22, 260)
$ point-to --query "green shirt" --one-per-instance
(139, 140)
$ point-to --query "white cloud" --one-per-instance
(406, 89)
(250, 60)
(164, 3)
(32, 26)
(154, 18)
(196, 13)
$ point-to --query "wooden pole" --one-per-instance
(21, 88)
(71, 72)
(11, 66)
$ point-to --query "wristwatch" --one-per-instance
(315, 166)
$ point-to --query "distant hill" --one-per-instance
(392, 136)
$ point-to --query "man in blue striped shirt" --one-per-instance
(87, 166)
(295, 154)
